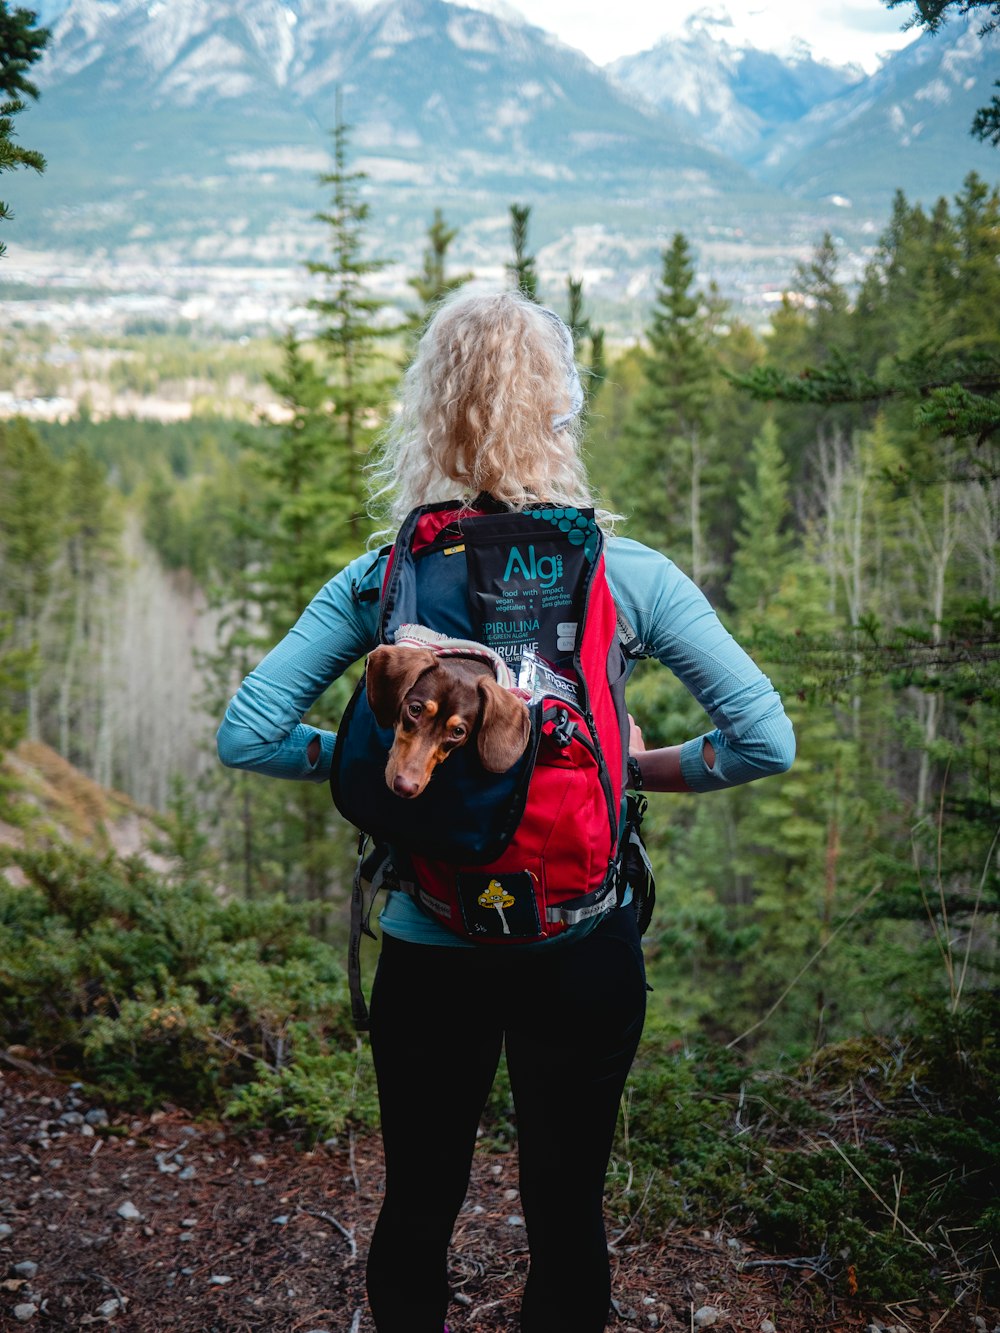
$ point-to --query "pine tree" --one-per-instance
(523, 271)
(977, 293)
(306, 501)
(796, 838)
(91, 565)
(607, 424)
(311, 508)
(986, 121)
(21, 44)
(668, 437)
(31, 518)
(288, 540)
(735, 423)
(350, 336)
(434, 282)
(807, 337)
(764, 542)
(932, 14)
(817, 280)
(584, 333)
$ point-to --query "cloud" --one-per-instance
(842, 31)
(716, 16)
(867, 18)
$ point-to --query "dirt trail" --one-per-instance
(158, 1222)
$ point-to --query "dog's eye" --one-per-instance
(414, 709)
(458, 733)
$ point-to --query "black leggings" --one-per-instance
(570, 1018)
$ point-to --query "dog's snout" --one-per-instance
(404, 786)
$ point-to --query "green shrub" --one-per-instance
(322, 1089)
(159, 990)
(879, 1159)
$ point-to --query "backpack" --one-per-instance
(516, 856)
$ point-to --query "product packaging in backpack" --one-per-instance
(515, 856)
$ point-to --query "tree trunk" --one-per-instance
(938, 544)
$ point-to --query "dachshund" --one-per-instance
(436, 704)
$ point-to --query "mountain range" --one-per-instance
(730, 94)
(173, 127)
(225, 110)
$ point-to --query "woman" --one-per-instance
(491, 405)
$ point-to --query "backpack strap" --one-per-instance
(371, 870)
(631, 645)
(361, 594)
(635, 865)
(603, 899)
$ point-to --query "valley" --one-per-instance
(184, 146)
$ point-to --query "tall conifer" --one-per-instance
(351, 333)
(764, 540)
(301, 501)
(667, 443)
(310, 503)
(585, 336)
(523, 271)
(21, 45)
(31, 517)
(434, 282)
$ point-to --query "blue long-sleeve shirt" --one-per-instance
(751, 737)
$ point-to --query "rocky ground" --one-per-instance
(156, 1222)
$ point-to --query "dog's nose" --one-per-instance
(404, 786)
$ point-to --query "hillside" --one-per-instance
(905, 127)
(57, 800)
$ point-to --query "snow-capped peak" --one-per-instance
(498, 9)
(717, 22)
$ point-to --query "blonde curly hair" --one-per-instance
(490, 403)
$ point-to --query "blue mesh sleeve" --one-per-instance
(752, 736)
(263, 729)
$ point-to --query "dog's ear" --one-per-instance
(390, 673)
(504, 726)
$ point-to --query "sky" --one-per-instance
(840, 31)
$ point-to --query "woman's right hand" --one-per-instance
(660, 769)
(636, 744)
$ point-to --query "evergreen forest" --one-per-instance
(820, 1067)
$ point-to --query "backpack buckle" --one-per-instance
(564, 729)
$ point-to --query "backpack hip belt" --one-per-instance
(568, 913)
